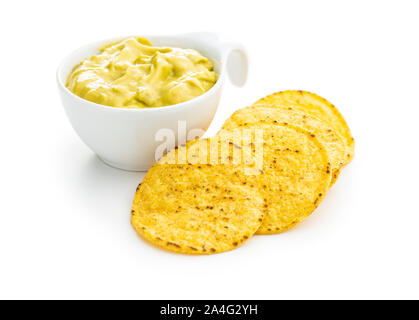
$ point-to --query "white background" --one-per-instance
(64, 215)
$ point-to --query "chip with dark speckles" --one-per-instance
(293, 183)
(198, 217)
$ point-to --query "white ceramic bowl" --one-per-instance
(126, 138)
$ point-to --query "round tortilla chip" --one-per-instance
(316, 106)
(197, 205)
(332, 141)
(295, 177)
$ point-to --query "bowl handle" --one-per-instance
(237, 62)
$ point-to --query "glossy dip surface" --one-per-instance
(134, 74)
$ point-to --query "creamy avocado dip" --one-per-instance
(134, 74)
